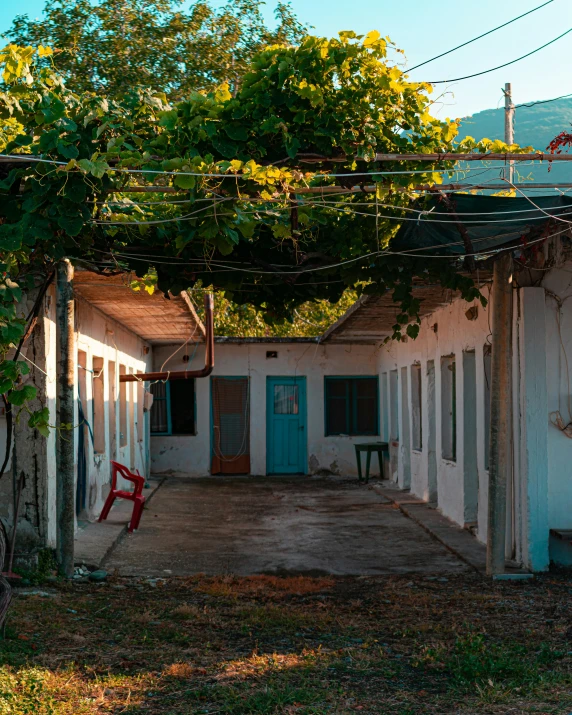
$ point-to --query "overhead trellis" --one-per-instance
(311, 118)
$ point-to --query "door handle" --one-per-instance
(301, 426)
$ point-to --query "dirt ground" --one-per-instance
(263, 645)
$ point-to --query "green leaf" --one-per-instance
(413, 331)
(75, 189)
(68, 151)
(224, 147)
(237, 132)
(11, 333)
(281, 231)
(184, 182)
(247, 228)
(18, 397)
(49, 140)
(231, 233)
(11, 236)
(169, 119)
(72, 225)
(8, 182)
(5, 385)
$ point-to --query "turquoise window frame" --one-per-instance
(167, 398)
(352, 404)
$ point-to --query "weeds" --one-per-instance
(269, 646)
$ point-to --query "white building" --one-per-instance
(275, 406)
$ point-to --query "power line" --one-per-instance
(543, 101)
(479, 37)
(506, 64)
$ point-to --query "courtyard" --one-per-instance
(308, 526)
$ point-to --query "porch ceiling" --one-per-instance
(371, 318)
(154, 318)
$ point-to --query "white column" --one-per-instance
(533, 477)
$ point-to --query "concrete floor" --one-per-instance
(277, 525)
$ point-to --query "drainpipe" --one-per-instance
(65, 442)
(501, 417)
(185, 374)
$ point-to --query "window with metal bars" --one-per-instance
(352, 405)
(173, 410)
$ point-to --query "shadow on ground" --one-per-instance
(267, 645)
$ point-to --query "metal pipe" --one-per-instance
(500, 462)
(185, 374)
(65, 478)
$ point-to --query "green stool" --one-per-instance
(369, 447)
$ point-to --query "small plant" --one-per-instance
(475, 662)
(47, 568)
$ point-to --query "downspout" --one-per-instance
(500, 461)
(65, 441)
(185, 374)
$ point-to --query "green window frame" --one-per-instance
(346, 402)
(172, 421)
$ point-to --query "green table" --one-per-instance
(369, 447)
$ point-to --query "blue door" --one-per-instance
(286, 425)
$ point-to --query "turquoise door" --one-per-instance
(286, 425)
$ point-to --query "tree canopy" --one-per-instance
(227, 178)
(115, 46)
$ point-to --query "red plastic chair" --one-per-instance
(135, 496)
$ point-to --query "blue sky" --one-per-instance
(424, 29)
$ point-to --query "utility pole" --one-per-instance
(509, 127)
(65, 479)
(500, 457)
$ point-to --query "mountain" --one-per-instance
(534, 126)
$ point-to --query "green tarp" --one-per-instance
(490, 222)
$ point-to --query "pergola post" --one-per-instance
(65, 479)
(500, 461)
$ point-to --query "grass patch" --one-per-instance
(263, 646)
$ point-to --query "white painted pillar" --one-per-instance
(533, 487)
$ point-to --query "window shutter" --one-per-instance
(364, 398)
(159, 419)
(337, 406)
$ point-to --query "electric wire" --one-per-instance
(543, 101)
(506, 64)
(514, 19)
(23, 157)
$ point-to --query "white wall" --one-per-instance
(102, 337)
(558, 306)
(190, 455)
(446, 332)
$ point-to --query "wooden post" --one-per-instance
(500, 461)
(65, 480)
(509, 127)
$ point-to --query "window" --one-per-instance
(122, 409)
(393, 405)
(112, 407)
(416, 408)
(285, 399)
(448, 409)
(351, 405)
(140, 417)
(385, 405)
(173, 410)
(98, 418)
(487, 401)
